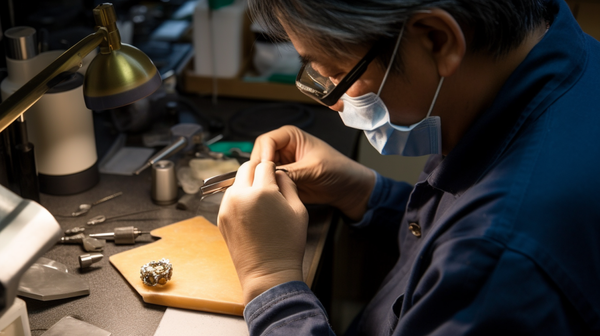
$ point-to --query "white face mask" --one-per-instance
(369, 113)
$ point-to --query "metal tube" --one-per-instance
(21, 43)
(107, 235)
(122, 235)
(171, 149)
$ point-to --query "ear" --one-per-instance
(441, 37)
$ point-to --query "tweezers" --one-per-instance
(219, 183)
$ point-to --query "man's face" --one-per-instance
(407, 96)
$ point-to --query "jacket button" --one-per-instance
(415, 229)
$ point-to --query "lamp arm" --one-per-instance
(67, 63)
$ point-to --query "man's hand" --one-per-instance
(264, 224)
(322, 174)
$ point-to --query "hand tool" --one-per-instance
(185, 137)
(121, 235)
(84, 208)
(103, 219)
(89, 244)
(74, 231)
(74, 239)
(219, 183)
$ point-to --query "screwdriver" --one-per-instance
(121, 236)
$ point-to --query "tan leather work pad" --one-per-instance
(204, 277)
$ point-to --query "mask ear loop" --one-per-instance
(435, 97)
(391, 60)
(437, 91)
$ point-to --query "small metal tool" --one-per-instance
(215, 184)
(93, 244)
(84, 208)
(184, 137)
(86, 260)
(171, 149)
(219, 183)
(121, 236)
(103, 219)
(89, 244)
(74, 231)
(75, 239)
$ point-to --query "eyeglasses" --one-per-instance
(320, 88)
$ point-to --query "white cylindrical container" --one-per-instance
(17, 169)
(61, 128)
(218, 43)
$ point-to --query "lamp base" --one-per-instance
(62, 185)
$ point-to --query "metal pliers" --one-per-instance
(219, 183)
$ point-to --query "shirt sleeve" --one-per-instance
(287, 309)
(387, 203)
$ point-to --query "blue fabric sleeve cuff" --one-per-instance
(277, 293)
(287, 309)
(373, 201)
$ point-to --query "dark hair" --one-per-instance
(497, 26)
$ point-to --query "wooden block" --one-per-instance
(204, 277)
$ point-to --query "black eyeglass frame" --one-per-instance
(359, 69)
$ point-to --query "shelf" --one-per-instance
(237, 87)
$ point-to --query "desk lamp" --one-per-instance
(119, 75)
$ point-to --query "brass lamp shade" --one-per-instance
(119, 75)
(119, 78)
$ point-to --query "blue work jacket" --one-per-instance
(501, 236)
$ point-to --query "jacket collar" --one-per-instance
(550, 69)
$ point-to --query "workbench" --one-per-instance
(113, 304)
